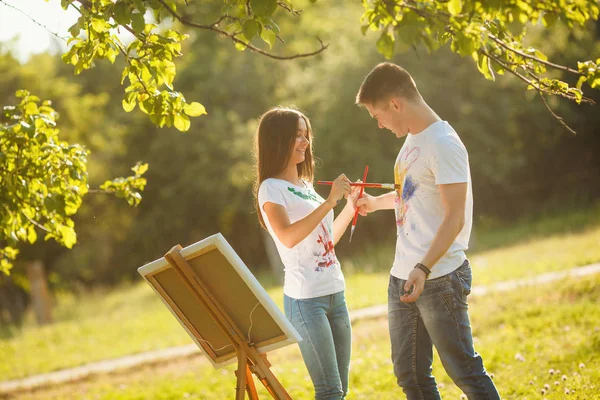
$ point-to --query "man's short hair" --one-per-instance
(385, 81)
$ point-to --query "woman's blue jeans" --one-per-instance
(324, 324)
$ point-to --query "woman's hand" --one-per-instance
(340, 188)
(353, 197)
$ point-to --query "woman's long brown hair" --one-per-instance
(274, 143)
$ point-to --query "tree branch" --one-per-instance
(295, 13)
(537, 83)
(255, 49)
(536, 59)
(42, 227)
(32, 19)
(537, 88)
(560, 119)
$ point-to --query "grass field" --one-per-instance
(132, 319)
(545, 338)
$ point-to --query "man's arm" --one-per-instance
(368, 203)
(454, 198)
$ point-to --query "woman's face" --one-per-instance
(302, 143)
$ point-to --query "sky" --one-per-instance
(24, 36)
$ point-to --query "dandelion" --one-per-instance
(547, 387)
(463, 396)
(551, 371)
(567, 391)
(556, 383)
(564, 378)
(543, 391)
(581, 365)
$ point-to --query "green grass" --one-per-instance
(522, 336)
(132, 319)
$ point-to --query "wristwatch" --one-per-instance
(424, 269)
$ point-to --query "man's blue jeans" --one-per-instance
(438, 318)
(324, 324)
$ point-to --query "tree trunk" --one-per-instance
(40, 295)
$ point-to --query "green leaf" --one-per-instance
(140, 169)
(385, 45)
(194, 109)
(31, 234)
(268, 36)
(455, 7)
(137, 22)
(129, 101)
(182, 122)
(548, 19)
(122, 13)
(68, 236)
(483, 64)
(75, 29)
(99, 25)
(263, 7)
(250, 28)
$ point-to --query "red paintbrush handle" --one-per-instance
(360, 194)
(390, 186)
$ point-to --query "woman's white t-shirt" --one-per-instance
(311, 267)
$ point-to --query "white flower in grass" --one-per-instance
(567, 391)
(547, 387)
(463, 396)
(519, 357)
(564, 378)
(556, 383)
(543, 391)
(551, 371)
(581, 365)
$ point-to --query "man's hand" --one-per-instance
(365, 204)
(416, 281)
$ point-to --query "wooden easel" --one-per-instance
(249, 360)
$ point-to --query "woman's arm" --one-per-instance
(340, 224)
(291, 234)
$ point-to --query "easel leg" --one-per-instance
(242, 376)
(268, 379)
(250, 387)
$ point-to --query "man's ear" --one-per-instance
(397, 104)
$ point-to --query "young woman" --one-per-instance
(302, 225)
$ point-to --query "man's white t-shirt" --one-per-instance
(311, 267)
(434, 156)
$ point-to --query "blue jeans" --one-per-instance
(438, 318)
(324, 324)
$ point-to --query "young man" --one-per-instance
(431, 276)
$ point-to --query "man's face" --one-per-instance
(389, 115)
